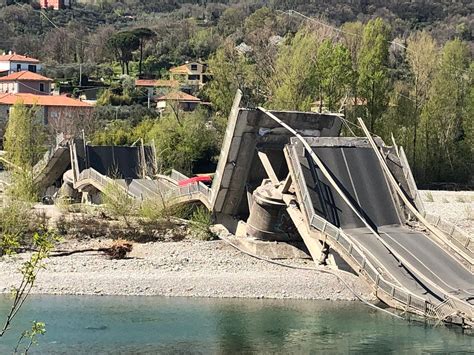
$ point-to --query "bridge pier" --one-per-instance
(268, 218)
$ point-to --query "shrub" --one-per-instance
(15, 226)
(118, 203)
(200, 223)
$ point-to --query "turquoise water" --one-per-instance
(143, 325)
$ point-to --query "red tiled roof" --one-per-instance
(179, 96)
(156, 83)
(41, 100)
(17, 58)
(24, 75)
(182, 69)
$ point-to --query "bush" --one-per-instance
(200, 223)
(17, 225)
(118, 203)
(183, 140)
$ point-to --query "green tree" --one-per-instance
(373, 82)
(295, 82)
(231, 20)
(181, 145)
(229, 72)
(204, 42)
(469, 121)
(335, 73)
(24, 136)
(421, 57)
(262, 18)
(353, 31)
(445, 118)
(24, 143)
(143, 35)
(123, 44)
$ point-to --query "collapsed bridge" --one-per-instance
(289, 177)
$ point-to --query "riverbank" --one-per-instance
(186, 268)
(195, 268)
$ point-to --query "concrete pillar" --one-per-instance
(268, 218)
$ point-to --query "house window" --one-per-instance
(41, 87)
(32, 68)
(18, 67)
(193, 77)
(194, 67)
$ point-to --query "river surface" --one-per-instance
(148, 325)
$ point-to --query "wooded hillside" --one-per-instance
(404, 66)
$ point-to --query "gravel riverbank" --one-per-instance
(184, 268)
(203, 269)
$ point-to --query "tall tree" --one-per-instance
(123, 44)
(373, 82)
(144, 35)
(229, 71)
(445, 116)
(334, 72)
(353, 31)
(24, 141)
(421, 57)
(295, 79)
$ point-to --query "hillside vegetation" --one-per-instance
(404, 66)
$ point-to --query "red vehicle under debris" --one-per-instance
(205, 179)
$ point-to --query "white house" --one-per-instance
(11, 62)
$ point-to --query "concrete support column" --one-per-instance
(268, 218)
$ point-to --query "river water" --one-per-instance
(143, 325)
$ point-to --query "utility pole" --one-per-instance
(80, 74)
(143, 163)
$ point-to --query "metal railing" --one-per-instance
(453, 233)
(40, 165)
(177, 176)
(168, 195)
(189, 189)
(94, 175)
(410, 180)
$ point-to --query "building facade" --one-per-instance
(12, 62)
(55, 4)
(192, 75)
(60, 113)
(179, 100)
(25, 82)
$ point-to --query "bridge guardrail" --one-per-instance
(180, 191)
(94, 175)
(177, 176)
(188, 190)
(452, 232)
(48, 154)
